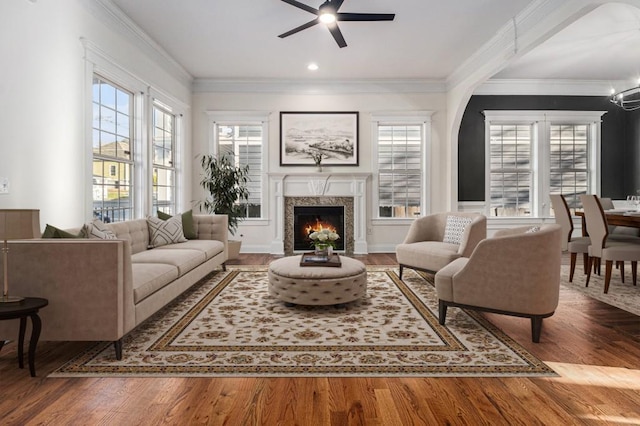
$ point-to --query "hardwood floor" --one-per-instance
(595, 348)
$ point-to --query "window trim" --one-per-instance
(541, 120)
(165, 109)
(217, 118)
(422, 118)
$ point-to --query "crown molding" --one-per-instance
(112, 16)
(550, 87)
(317, 87)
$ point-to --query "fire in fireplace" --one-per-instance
(307, 219)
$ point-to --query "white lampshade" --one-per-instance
(16, 224)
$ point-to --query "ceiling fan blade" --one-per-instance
(302, 6)
(300, 28)
(337, 4)
(337, 34)
(365, 16)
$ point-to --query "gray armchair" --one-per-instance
(436, 240)
(517, 272)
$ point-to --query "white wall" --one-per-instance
(43, 98)
(381, 238)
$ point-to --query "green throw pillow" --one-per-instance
(53, 232)
(187, 224)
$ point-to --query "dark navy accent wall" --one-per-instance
(620, 156)
(633, 151)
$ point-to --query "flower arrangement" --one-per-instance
(323, 239)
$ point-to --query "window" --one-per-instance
(112, 151)
(511, 174)
(242, 140)
(569, 161)
(164, 172)
(532, 154)
(401, 160)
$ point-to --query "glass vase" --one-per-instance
(322, 250)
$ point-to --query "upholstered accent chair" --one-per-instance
(435, 240)
(604, 248)
(516, 272)
(573, 245)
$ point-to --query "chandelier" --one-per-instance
(628, 100)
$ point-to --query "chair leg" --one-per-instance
(634, 271)
(621, 270)
(574, 256)
(400, 275)
(585, 262)
(536, 328)
(607, 275)
(117, 345)
(442, 311)
(589, 263)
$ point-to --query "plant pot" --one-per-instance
(234, 248)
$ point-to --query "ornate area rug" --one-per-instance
(621, 295)
(229, 325)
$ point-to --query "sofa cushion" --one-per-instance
(184, 259)
(163, 232)
(210, 248)
(188, 228)
(454, 228)
(430, 255)
(53, 232)
(136, 231)
(98, 230)
(151, 277)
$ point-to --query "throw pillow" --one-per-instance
(97, 230)
(188, 228)
(454, 229)
(163, 232)
(53, 232)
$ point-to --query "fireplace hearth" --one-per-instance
(308, 219)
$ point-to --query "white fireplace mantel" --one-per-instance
(322, 184)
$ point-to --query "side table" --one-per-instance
(28, 307)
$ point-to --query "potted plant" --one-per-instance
(226, 185)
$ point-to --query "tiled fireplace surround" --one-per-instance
(328, 189)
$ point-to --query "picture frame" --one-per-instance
(332, 134)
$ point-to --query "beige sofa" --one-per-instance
(516, 272)
(99, 290)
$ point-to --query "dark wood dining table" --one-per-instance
(616, 218)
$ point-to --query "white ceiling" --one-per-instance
(602, 45)
(429, 39)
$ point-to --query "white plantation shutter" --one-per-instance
(511, 175)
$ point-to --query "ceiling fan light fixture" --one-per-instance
(327, 18)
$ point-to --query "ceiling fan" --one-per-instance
(328, 13)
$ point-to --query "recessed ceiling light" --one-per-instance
(312, 66)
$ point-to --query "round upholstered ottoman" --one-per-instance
(317, 285)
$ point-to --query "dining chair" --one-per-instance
(573, 245)
(604, 249)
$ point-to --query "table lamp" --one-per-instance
(15, 224)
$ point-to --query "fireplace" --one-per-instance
(307, 219)
(346, 237)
